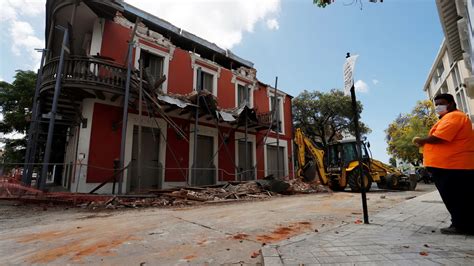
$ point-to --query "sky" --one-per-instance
(305, 46)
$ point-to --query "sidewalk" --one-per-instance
(407, 234)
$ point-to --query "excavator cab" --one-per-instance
(341, 161)
(342, 153)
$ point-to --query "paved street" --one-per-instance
(407, 234)
(217, 234)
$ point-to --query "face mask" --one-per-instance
(441, 109)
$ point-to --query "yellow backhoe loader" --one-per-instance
(339, 167)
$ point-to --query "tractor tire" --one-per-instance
(413, 182)
(392, 181)
(382, 184)
(354, 180)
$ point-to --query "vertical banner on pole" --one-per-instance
(349, 73)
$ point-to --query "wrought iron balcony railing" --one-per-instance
(86, 72)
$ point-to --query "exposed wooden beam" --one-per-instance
(100, 95)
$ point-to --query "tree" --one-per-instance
(393, 162)
(325, 116)
(400, 132)
(16, 101)
(324, 3)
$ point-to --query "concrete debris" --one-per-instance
(299, 186)
(233, 191)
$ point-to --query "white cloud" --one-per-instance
(13, 9)
(272, 24)
(375, 81)
(222, 22)
(23, 38)
(361, 86)
(23, 41)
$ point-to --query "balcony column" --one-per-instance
(31, 146)
(52, 119)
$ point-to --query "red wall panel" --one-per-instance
(177, 153)
(260, 155)
(226, 89)
(115, 42)
(227, 157)
(261, 101)
(287, 117)
(104, 142)
(180, 80)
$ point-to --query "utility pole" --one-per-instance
(349, 80)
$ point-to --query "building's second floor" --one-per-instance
(163, 58)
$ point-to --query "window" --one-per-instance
(275, 108)
(461, 100)
(204, 81)
(444, 89)
(153, 66)
(439, 72)
(456, 77)
(243, 95)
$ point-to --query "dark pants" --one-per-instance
(456, 188)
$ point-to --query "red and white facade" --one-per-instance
(167, 157)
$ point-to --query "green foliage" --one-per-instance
(400, 132)
(16, 101)
(322, 3)
(325, 116)
(393, 162)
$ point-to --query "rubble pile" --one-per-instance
(297, 185)
(232, 191)
(177, 197)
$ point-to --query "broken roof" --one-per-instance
(227, 115)
(180, 37)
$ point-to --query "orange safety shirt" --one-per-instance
(457, 149)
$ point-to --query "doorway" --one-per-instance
(275, 163)
(246, 168)
(151, 177)
(204, 171)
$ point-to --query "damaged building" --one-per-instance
(127, 102)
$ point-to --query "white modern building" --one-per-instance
(448, 76)
(452, 70)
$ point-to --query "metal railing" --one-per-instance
(85, 70)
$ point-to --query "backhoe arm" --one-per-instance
(305, 144)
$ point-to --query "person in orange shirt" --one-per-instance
(449, 157)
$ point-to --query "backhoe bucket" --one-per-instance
(309, 172)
